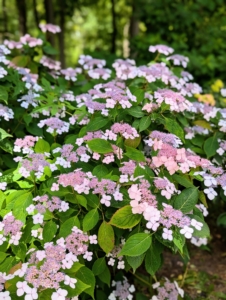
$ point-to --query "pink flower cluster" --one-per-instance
(122, 290)
(161, 49)
(54, 125)
(167, 291)
(50, 63)
(85, 182)
(113, 255)
(25, 144)
(31, 41)
(49, 27)
(71, 74)
(89, 63)
(35, 162)
(179, 60)
(167, 188)
(43, 203)
(10, 227)
(176, 102)
(125, 69)
(172, 158)
(6, 113)
(98, 73)
(127, 131)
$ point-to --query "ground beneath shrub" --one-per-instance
(205, 276)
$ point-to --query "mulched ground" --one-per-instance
(206, 272)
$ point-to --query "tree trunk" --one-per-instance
(35, 12)
(134, 25)
(48, 4)
(114, 27)
(61, 34)
(5, 20)
(21, 7)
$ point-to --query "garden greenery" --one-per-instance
(102, 169)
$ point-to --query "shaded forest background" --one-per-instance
(125, 28)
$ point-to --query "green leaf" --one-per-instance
(99, 266)
(136, 244)
(87, 276)
(100, 146)
(124, 218)
(3, 256)
(135, 261)
(49, 231)
(204, 232)
(153, 259)
(80, 287)
(3, 94)
(42, 146)
(183, 180)
(90, 220)
(97, 123)
(66, 227)
(134, 154)
(7, 264)
(179, 240)
(100, 171)
(7, 146)
(20, 250)
(76, 266)
(211, 145)
(133, 143)
(93, 200)
(145, 122)
(105, 276)
(21, 60)
(106, 237)
(221, 220)
(173, 127)
(4, 134)
(186, 200)
(135, 111)
(138, 92)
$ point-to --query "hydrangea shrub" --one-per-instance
(101, 170)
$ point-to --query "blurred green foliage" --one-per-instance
(110, 28)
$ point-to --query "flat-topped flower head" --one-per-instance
(163, 49)
(49, 27)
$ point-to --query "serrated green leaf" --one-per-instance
(3, 94)
(186, 200)
(153, 259)
(99, 266)
(100, 171)
(183, 180)
(66, 227)
(97, 123)
(124, 218)
(135, 261)
(87, 277)
(49, 231)
(90, 220)
(204, 232)
(100, 146)
(42, 146)
(106, 237)
(134, 154)
(145, 122)
(135, 111)
(4, 134)
(211, 145)
(173, 127)
(105, 276)
(136, 244)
